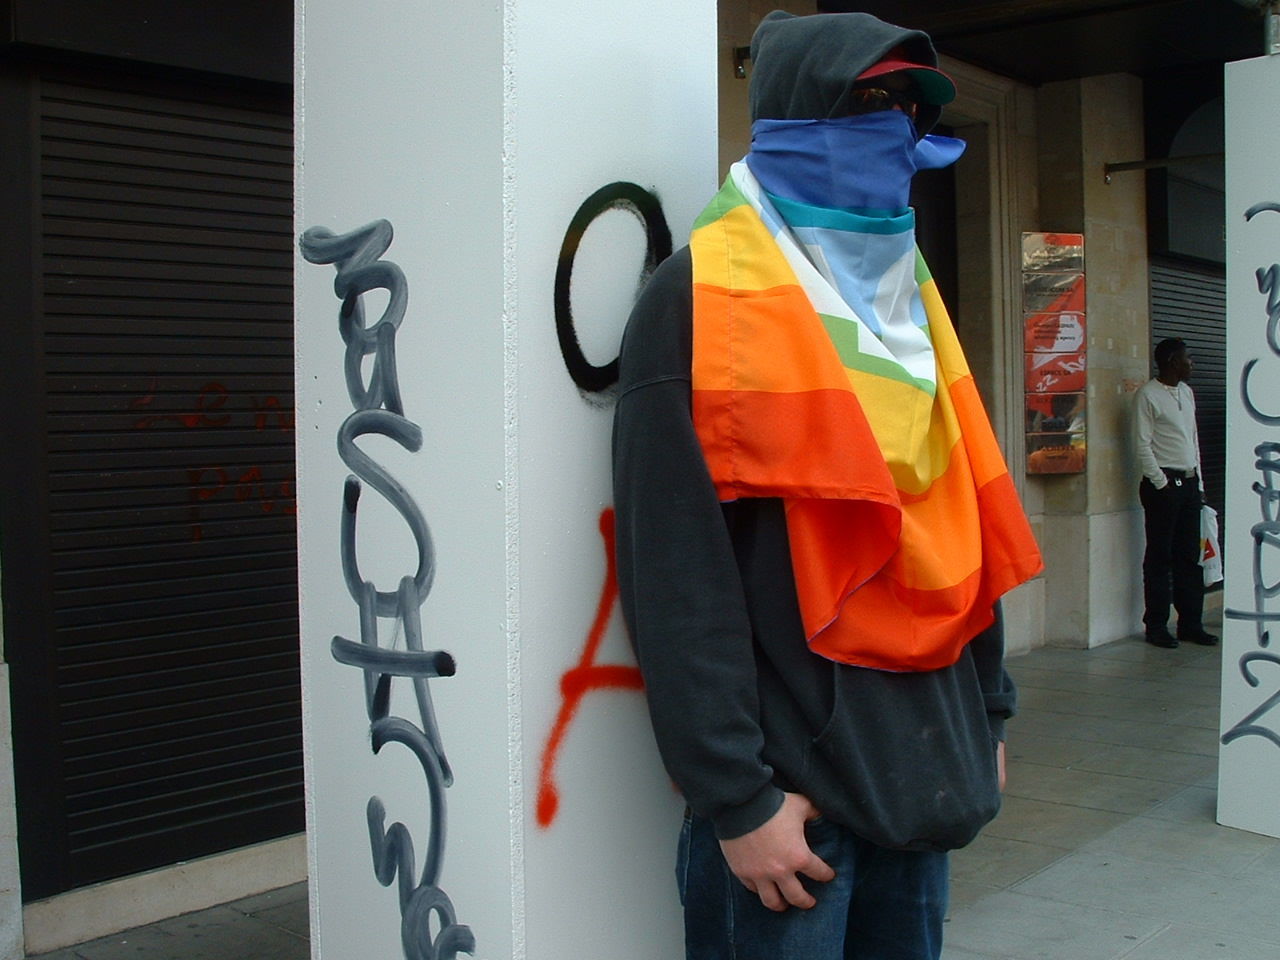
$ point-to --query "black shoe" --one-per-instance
(1201, 637)
(1162, 638)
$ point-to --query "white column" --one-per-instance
(1249, 757)
(529, 788)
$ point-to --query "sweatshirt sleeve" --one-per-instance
(998, 691)
(680, 590)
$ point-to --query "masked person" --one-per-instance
(815, 522)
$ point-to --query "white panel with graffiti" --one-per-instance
(615, 156)
(1249, 757)
(481, 190)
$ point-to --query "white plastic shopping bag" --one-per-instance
(1210, 557)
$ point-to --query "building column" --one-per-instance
(995, 202)
(1093, 538)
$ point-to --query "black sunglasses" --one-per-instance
(875, 99)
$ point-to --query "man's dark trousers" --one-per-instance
(1173, 553)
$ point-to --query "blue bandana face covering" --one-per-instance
(862, 164)
(842, 187)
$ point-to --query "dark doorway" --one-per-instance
(933, 195)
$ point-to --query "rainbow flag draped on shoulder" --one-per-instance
(848, 396)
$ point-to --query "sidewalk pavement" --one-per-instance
(271, 926)
(1107, 847)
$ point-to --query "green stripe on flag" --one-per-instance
(844, 337)
(724, 201)
(923, 275)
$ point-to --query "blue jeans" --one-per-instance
(882, 904)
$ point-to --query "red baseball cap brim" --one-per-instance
(934, 86)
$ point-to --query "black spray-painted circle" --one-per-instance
(614, 196)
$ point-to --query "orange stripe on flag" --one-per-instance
(887, 626)
(984, 453)
(802, 357)
(810, 444)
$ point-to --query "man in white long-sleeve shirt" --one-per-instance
(1171, 495)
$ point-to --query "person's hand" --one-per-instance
(1000, 770)
(769, 859)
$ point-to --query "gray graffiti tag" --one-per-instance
(1265, 533)
(1269, 285)
(1246, 727)
(380, 410)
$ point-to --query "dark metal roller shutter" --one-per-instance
(1191, 302)
(166, 311)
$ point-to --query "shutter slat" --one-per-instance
(95, 663)
(137, 779)
(262, 631)
(67, 230)
(185, 754)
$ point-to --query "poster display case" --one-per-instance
(1054, 352)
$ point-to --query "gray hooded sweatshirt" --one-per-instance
(741, 709)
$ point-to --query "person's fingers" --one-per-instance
(818, 869)
(771, 897)
(770, 860)
(795, 893)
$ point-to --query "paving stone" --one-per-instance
(1024, 747)
(959, 953)
(964, 893)
(1083, 662)
(1166, 687)
(294, 916)
(1096, 791)
(1191, 804)
(1121, 706)
(1197, 845)
(1168, 735)
(1267, 866)
(143, 943)
(1013, 926)
(1000, 862)
(1192, 943)
(1105, 880)
(272, 898)
(1053, 824)
(1150, 763)
(224, 933)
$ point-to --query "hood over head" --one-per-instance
(804, 67)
